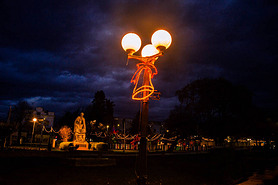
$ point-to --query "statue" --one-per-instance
(80, 129)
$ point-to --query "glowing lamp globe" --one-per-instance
(161, 39)
(149, 50)
(131, 43)
(34, 119)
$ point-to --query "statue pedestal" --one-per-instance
(82, 145)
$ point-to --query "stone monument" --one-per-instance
(80, 133)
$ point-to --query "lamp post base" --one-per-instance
(142, 165)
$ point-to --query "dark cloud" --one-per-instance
(57, 54)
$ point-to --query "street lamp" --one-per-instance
(131, 43)
(34, 120)
(144, 88)
(107, 128)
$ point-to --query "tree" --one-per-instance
(101, 109)
(212, 107)
(135, 125)
(20, 115)
(265, 125)
(5, 131)
(65, 133)
(68, 119)
(109, 112)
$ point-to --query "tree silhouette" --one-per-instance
(20, 116)
(68, 119)
(265, 125)
(101, 109)
(5, 131)
(135, 125)
(212, 107)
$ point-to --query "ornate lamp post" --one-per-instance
(144, 88)
(34, 120)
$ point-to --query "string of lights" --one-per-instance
(51, 130)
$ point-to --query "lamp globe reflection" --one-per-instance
(161, 39)
(149, 50)
(131, 43)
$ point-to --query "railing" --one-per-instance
(160, 147)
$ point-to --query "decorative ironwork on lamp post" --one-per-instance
(144, 88)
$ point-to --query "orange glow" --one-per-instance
(149, 50)
(131, 42)
(161, 39)
(142, 92)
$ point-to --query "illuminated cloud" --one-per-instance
(59, 54)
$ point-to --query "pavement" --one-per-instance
(31, 167)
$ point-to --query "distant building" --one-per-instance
(43, 116)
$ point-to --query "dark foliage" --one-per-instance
(21, 115)
(5, 131)
(68, 119)
(213, 107)
(101, 109)
(135, 126)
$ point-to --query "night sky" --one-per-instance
(57, 54)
